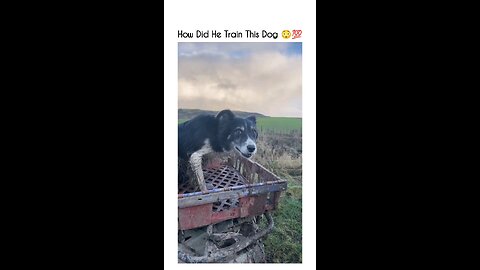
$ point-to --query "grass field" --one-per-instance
(281, 153)
(281, 124)
(277, 124)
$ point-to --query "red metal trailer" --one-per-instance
(223, 224)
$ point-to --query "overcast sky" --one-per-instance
(259, 77)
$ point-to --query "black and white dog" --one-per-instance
(221, 133)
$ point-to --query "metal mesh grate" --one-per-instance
(225, 205)
(221, 177)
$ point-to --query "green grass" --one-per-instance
(284, 244)
(277, 124)
(279, 154)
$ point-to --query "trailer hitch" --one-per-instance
(231, 250)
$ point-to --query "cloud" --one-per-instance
(255, 77)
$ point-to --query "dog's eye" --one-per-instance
(238, 132)
(255, 133)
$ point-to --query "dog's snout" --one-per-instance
(251, 148)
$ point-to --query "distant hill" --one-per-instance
(190, 113)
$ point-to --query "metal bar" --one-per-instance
(230, 188)
(231, 193)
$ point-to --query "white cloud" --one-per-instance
(264, 80)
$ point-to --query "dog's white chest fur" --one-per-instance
(206, 149)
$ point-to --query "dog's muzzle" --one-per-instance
(247, 155)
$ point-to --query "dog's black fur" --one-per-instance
(221, 133)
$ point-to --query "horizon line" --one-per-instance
(239, 111)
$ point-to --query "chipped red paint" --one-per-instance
(202, 215)
(195, 216)
(253, 206)
(225, 215)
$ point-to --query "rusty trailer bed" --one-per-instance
(241, 188)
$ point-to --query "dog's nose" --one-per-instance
(251, 148)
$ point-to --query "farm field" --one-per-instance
(281, 153)
(280, 124)
(276, 124)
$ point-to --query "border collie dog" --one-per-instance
(207, 133)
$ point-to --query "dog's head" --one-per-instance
(237, 133)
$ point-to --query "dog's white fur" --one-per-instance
(196, 163)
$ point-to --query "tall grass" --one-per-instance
(281, 153)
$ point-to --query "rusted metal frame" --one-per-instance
(266, 172)
(225, 215)
(251, 170)
(247, 168)
(216, 190)
(276, 199)
(194, 217)
(231, 250)
(253, 205)
(231, 193)
(263, 174)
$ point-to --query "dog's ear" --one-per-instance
(253, 119)
(225, 116)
